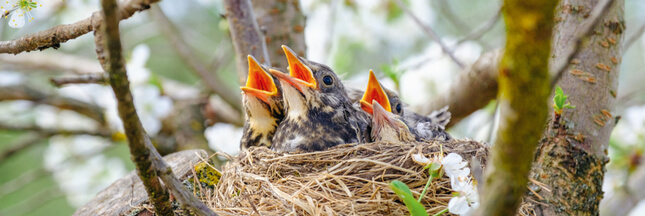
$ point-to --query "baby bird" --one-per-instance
(389, 127)
(422, 127)
(263, 106)
(318, 112)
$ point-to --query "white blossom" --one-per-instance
(466, 200)
(454, 166)
(224, 137)
(17, 11)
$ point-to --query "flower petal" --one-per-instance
(458, 205)
(420, 159)
(17, 19)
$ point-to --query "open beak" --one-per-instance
(259, 83)
(298, 70)
(380, 115)
(374, 92)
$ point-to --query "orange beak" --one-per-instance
(374, 92)
(298, 70)
(259, 83)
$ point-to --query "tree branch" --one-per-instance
(59, 62)
(586, 31)
(479, 79)
(97, 78)
(572, 154)
(149, 163)
(24, 142)
(246, 35)
(187, 55)
(428, 30)
(109, 51)
(282, 23)
(524, 89)
(53, 37)
(24, 92)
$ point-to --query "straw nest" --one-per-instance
(344, 180)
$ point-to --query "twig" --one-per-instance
(477, 34)
(245, 34)
(25, 92)
(585, 32)
(22, 180)
(428, 30)
(59, 62)
(34, 202)
(634, 38)
(25, 142)
(187, 55)
(149, 163)
(464, 28)
(51, 132)
(98, 78)
(53, 37)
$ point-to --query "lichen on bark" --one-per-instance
(523, 93)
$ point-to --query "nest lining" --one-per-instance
(344, 180)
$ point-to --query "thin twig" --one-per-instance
(50, 62)
(34, 202)
(51, 132)
(149, 163)
(53, 37)
(25, 142)
(188, 56)
(633, 38)
(475, 35)
(97, 78)
(585, 32)
(428, 30)
(25, 92)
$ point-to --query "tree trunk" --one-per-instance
(282, 23)
(572, 155)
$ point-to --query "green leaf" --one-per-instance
(404, 193)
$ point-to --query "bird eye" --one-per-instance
(327, 80)
(398, 108)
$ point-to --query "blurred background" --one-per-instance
(60, 146)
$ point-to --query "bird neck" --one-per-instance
(260, 116)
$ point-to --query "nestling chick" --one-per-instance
(263, 106)
(389, 127)
(318, 112)
(422, 130)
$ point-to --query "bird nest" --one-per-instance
(344, 180)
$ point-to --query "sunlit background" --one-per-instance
(59, 173)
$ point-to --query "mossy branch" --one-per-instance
(147, 160)
(523, 92)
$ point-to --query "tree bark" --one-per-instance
(572, 155)
(282, 23)
(523, 92)
(478, 79)
(246, 35)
